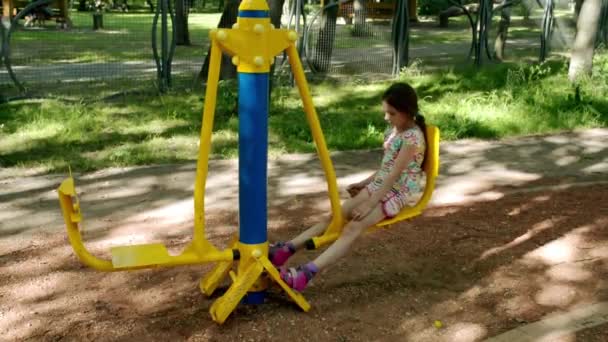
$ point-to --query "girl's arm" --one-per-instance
(368, 179)
(405, 156)
(353, 189)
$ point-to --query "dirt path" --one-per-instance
(516, 231)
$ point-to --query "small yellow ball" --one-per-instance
(235, 26)
(235, 60)
(256, 253)
(438, 324)
(259, 60)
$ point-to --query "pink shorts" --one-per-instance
(392, 202)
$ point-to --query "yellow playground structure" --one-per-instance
(254, 270)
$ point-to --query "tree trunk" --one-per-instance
(150, 5)
(581, 60)
(276, 11)
(228, 18)
(577, 9)
(412, 8)
(182, 36)
(97, 21)
(503, 31)
(325, 42)
(82, 5)
(602, 34)
(360, 16)
(526, 7)
(400, 36)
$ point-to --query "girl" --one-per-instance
(382, 195)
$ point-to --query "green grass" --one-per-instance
(125, 37)
(149, 128)
(85, 126)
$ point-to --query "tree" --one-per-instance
(228, 18)
(577, 9)
(182, 36)
(581, 60)
(503, 31)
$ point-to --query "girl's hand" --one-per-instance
(354, 189)
(361, 211)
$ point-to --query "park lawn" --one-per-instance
(147, 127)
(125, 37)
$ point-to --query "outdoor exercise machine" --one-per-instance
(253, 43)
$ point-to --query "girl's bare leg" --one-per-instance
(298, 278)
(351, 232)
(318, 229)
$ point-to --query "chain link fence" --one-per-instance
(97, 47)
(107, 45)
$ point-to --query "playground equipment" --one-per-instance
(254, 268)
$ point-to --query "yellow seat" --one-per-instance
(431, 169)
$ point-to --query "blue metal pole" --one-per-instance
(253, 157)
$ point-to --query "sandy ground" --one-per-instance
(517, 231)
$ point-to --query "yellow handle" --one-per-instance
(202, 165)
(317, 134)
(71, 216)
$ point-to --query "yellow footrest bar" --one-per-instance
(140, 255)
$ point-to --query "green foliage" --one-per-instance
(148, 128)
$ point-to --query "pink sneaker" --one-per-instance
(298, 278)
(280, 252)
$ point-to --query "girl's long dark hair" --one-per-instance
(403, 98)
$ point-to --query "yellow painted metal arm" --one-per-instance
(313, 121)
(202, 165)
(72, 217)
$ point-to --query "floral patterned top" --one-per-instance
(411, 182)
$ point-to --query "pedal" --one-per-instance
(274, 274)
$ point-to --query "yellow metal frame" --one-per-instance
(253, 263)
(253, 258)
